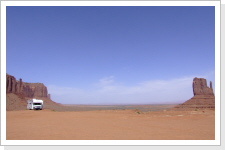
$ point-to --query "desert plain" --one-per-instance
(103, 123)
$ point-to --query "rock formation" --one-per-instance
(26, 89)
(200, 87)
(203, 96)
(10, 84)
(18, 92)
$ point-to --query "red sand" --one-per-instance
(110, 125)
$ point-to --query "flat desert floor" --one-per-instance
(110, 125)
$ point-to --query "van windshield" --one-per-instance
(36, 103)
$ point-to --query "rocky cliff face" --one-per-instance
(203, 96)
(200, 87)
(11, 84)
(26, 89)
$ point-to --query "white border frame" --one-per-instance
(110, 3)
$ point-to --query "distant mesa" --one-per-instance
(203, 96)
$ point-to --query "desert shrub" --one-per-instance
(137, 111)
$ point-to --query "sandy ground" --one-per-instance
(110, 125)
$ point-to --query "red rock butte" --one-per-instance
(25, 89)
(18, 92)
(203, 96)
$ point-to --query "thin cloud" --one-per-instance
(106, 80)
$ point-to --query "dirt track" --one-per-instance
(110, 125)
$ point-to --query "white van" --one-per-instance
(35, 104)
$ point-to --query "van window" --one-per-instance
(36, 103)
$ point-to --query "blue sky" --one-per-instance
(112, 55)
